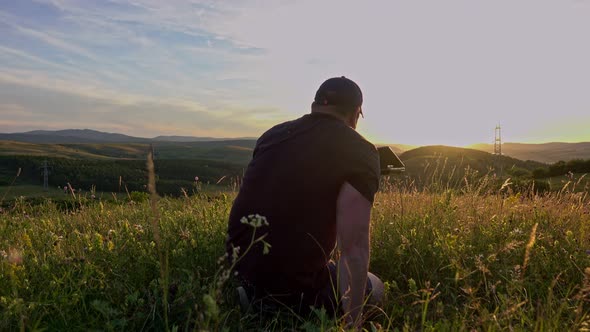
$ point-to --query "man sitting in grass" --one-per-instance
(310, 185)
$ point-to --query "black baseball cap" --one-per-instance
(339, 91)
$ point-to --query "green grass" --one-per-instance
(34, 194)
(451, 261)
(30, 191)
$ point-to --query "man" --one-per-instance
(314, 180)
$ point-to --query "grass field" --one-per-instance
(30, 191)
(454, 262)
(32, 195)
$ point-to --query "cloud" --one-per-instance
(24, 55)
(55, 41)
(427, 69)
(145, 116)
(94, 103)
(124, 62)
(47, 38)
(85, 89)
(15, 110)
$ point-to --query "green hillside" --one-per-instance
(116, 174)
(106, 165)
(11, 148)
(544, 152)
(479, 160)
(237, 152)
(451, 165)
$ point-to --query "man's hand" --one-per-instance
(353, 214)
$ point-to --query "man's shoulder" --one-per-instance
(330, 131)
(279, 128)
(361, 140)
(351, 140)
(342, 134)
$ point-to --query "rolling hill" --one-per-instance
(237, 152)
(544, 152)
(452, 164)
(102, 164)
(77, 143)
(92, 144)
(14, 148)
(197, 139)
(465, 156)
(71, 136)
(74, 136)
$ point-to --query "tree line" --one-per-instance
(115, 175)
(561, 168)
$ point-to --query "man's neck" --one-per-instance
(327, 110)
(331, 111)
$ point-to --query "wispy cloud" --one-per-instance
(225, 67)
(158, 62)
(15, 110)
(55, 41)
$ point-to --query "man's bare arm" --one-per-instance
(353, 218)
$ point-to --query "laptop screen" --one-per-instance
(390, 162)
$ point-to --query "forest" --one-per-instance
(116, 175)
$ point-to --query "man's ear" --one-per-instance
(354, 117)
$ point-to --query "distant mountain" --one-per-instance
(197, 139)
(89, 136)
(71, 136)
(87, 143)
(544, 152)
(75, 136)
(50, 139)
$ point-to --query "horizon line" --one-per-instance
(256, 137)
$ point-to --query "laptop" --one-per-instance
(390, 162)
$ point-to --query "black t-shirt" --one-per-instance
(294, 178)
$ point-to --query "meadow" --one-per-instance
(470, 258)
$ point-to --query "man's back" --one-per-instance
(293, 180)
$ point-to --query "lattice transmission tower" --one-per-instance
(498, 141)
(46, 170)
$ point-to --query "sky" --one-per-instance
(431, 71)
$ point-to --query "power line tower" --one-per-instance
(45, 170)
(498, 141)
